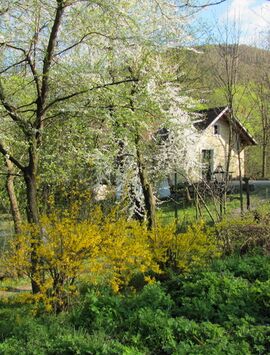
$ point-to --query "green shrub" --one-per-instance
(234, 284)
(250, 267)
(222, 310)
(212, 297)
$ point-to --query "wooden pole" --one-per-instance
(246, 180)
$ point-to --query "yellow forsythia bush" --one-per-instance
(64, 244)
(195, 247)
(125, 251)
(101, 247)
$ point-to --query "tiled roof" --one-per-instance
(208, 116)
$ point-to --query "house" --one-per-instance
(213, 144)
(211, 149)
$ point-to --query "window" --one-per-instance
(216, 129)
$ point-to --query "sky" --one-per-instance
(253, 17)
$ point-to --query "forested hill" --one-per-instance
(250, 62)
(204, 65)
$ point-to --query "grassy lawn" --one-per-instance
(187, 214)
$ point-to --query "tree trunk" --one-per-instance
(263, 158)
(33, 218)
(12, 197)
(240, 175)
(229, 154)
(138, 214)
(263, 106)
(31, 195)
(246, 180)
(149, 199)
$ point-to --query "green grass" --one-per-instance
(187, 214)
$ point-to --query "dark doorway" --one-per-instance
(207, 164)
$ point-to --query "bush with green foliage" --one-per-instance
(223, 309)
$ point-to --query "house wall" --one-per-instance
(219, 143)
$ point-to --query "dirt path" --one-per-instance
(8, 291)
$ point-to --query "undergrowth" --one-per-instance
(220, 309)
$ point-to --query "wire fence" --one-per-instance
(178, 209)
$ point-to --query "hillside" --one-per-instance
(251, 61)
(206, 64)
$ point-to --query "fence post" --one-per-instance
(246, 180)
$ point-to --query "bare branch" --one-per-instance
(67, 97)
(50, 51)
(26, 105)
(11, 46)
(34, 72)
(48, 118)
(26, 59)
(11, 110)
(12, 66)
(202, 6)
(11, 158)
(84, 37)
